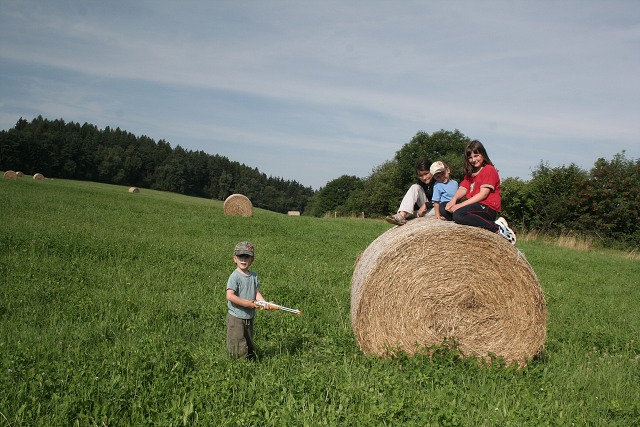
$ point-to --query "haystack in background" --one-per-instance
(9, 175)
(134, 190)
(429, 281)
(38, 177)
(19, 174)
(238, 205)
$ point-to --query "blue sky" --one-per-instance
(312, 90)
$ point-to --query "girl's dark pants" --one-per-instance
(443, 212)
(477, 215)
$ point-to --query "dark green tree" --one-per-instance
(224, 185)
(518, 203)
(334, 195)
(551, 189)
(379, 196)
(447, 146)
(607, 203)
(111, 166)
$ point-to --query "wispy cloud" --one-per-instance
(338, 84)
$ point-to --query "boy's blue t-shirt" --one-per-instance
(443, 193)
(245, 287)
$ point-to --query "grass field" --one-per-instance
(112, 313)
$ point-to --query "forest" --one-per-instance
(114, 156)
(602, 204)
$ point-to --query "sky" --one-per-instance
(312, 90)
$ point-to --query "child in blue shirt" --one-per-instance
(443, 190)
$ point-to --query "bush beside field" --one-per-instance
(112, 313)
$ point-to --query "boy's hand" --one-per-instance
(263, 305)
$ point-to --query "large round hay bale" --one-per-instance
(38, 177)
(428, 281)
(134, 190)
(238, 205)
(9, 175)
(19, 174)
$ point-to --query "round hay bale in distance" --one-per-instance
(9, 175)
(238, 205)
(19, 174)
(38, 177)
(134, 190)
(427, 282)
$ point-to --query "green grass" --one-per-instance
(112, 313)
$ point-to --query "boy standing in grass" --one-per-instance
(242, 290)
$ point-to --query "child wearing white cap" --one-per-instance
(443, 190)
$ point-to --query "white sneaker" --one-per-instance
(505, 231)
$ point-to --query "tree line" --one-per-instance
(113, 156)
(603, 203)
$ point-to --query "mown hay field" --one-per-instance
(112, 313)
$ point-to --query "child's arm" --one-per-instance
(422, 209)
(480, 196)
(460, 193)
(259, 296)
(235, 299)
(436, 208)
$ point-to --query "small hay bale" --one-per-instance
(238, 205)
(9, 175)
(38, 177)
(134, 190)
(428, 282)
(19, 174)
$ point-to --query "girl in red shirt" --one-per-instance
(481, 190)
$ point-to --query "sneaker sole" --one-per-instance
(512, 236)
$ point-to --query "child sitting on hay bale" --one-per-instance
(417, 197)
(443, 190)
(481, 188)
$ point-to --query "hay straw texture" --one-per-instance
(9, 175)
(426, 281)
(38, 177)
(238, 205)
(134, 190)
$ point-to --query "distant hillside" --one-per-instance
(83, 152)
